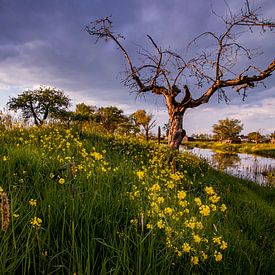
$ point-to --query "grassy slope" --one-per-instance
(249, 225)
(88, 231)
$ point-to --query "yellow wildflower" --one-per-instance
(198, 201)
(217, 240)
(32, 202)
(149, 226)
(179, 253)
(134, 221)
(36, 222)
(190, 224)
(170, 185)
(197, 238)
(223, 207)
(161, 214)
(160, 224)
(218, 256)
(209, 190)
(194, 260)
(155, 188)
(224, 245)
(168, 211)
(186, 247)
(181, 195)
(160, 200)
(214, 199)
(175, 177)
(5, 158)
(205, 210)
(183, 203)
(199, 225)
(140, 175)
(213, 207)
(61, 181)
(204, 255)
(97, 156)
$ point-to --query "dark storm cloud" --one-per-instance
(44, 42)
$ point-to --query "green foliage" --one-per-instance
(39, 104)
(255, 136)
(145, 121)
(227, 129)
(110, 117)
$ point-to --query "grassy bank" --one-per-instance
(262, 149)
(95, 205)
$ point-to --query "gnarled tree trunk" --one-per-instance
(176, 131)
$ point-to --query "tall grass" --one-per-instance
(90, 225)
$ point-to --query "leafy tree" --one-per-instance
(255, 136)
(227, 129)
(39, 104)
(213, 69)
(145, 121)
(85, 112)
(110, 117)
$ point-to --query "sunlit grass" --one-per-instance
(95, 204)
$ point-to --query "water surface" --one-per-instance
(247, 166)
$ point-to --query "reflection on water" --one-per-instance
(242, 165)
(222, 161)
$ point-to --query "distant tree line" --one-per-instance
(51, 105)
(228, 130)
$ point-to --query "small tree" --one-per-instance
(165, 128)
(255, 136)
(145, 121)
(39, 104)
(227, 129)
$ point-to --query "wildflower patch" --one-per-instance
(170, 205)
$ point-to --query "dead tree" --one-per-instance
(164, 72)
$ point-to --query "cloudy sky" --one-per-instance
(43, 42)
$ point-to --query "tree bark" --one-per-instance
(176, 131)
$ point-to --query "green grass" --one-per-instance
(86, 223)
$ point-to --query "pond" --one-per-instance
(255, 168)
